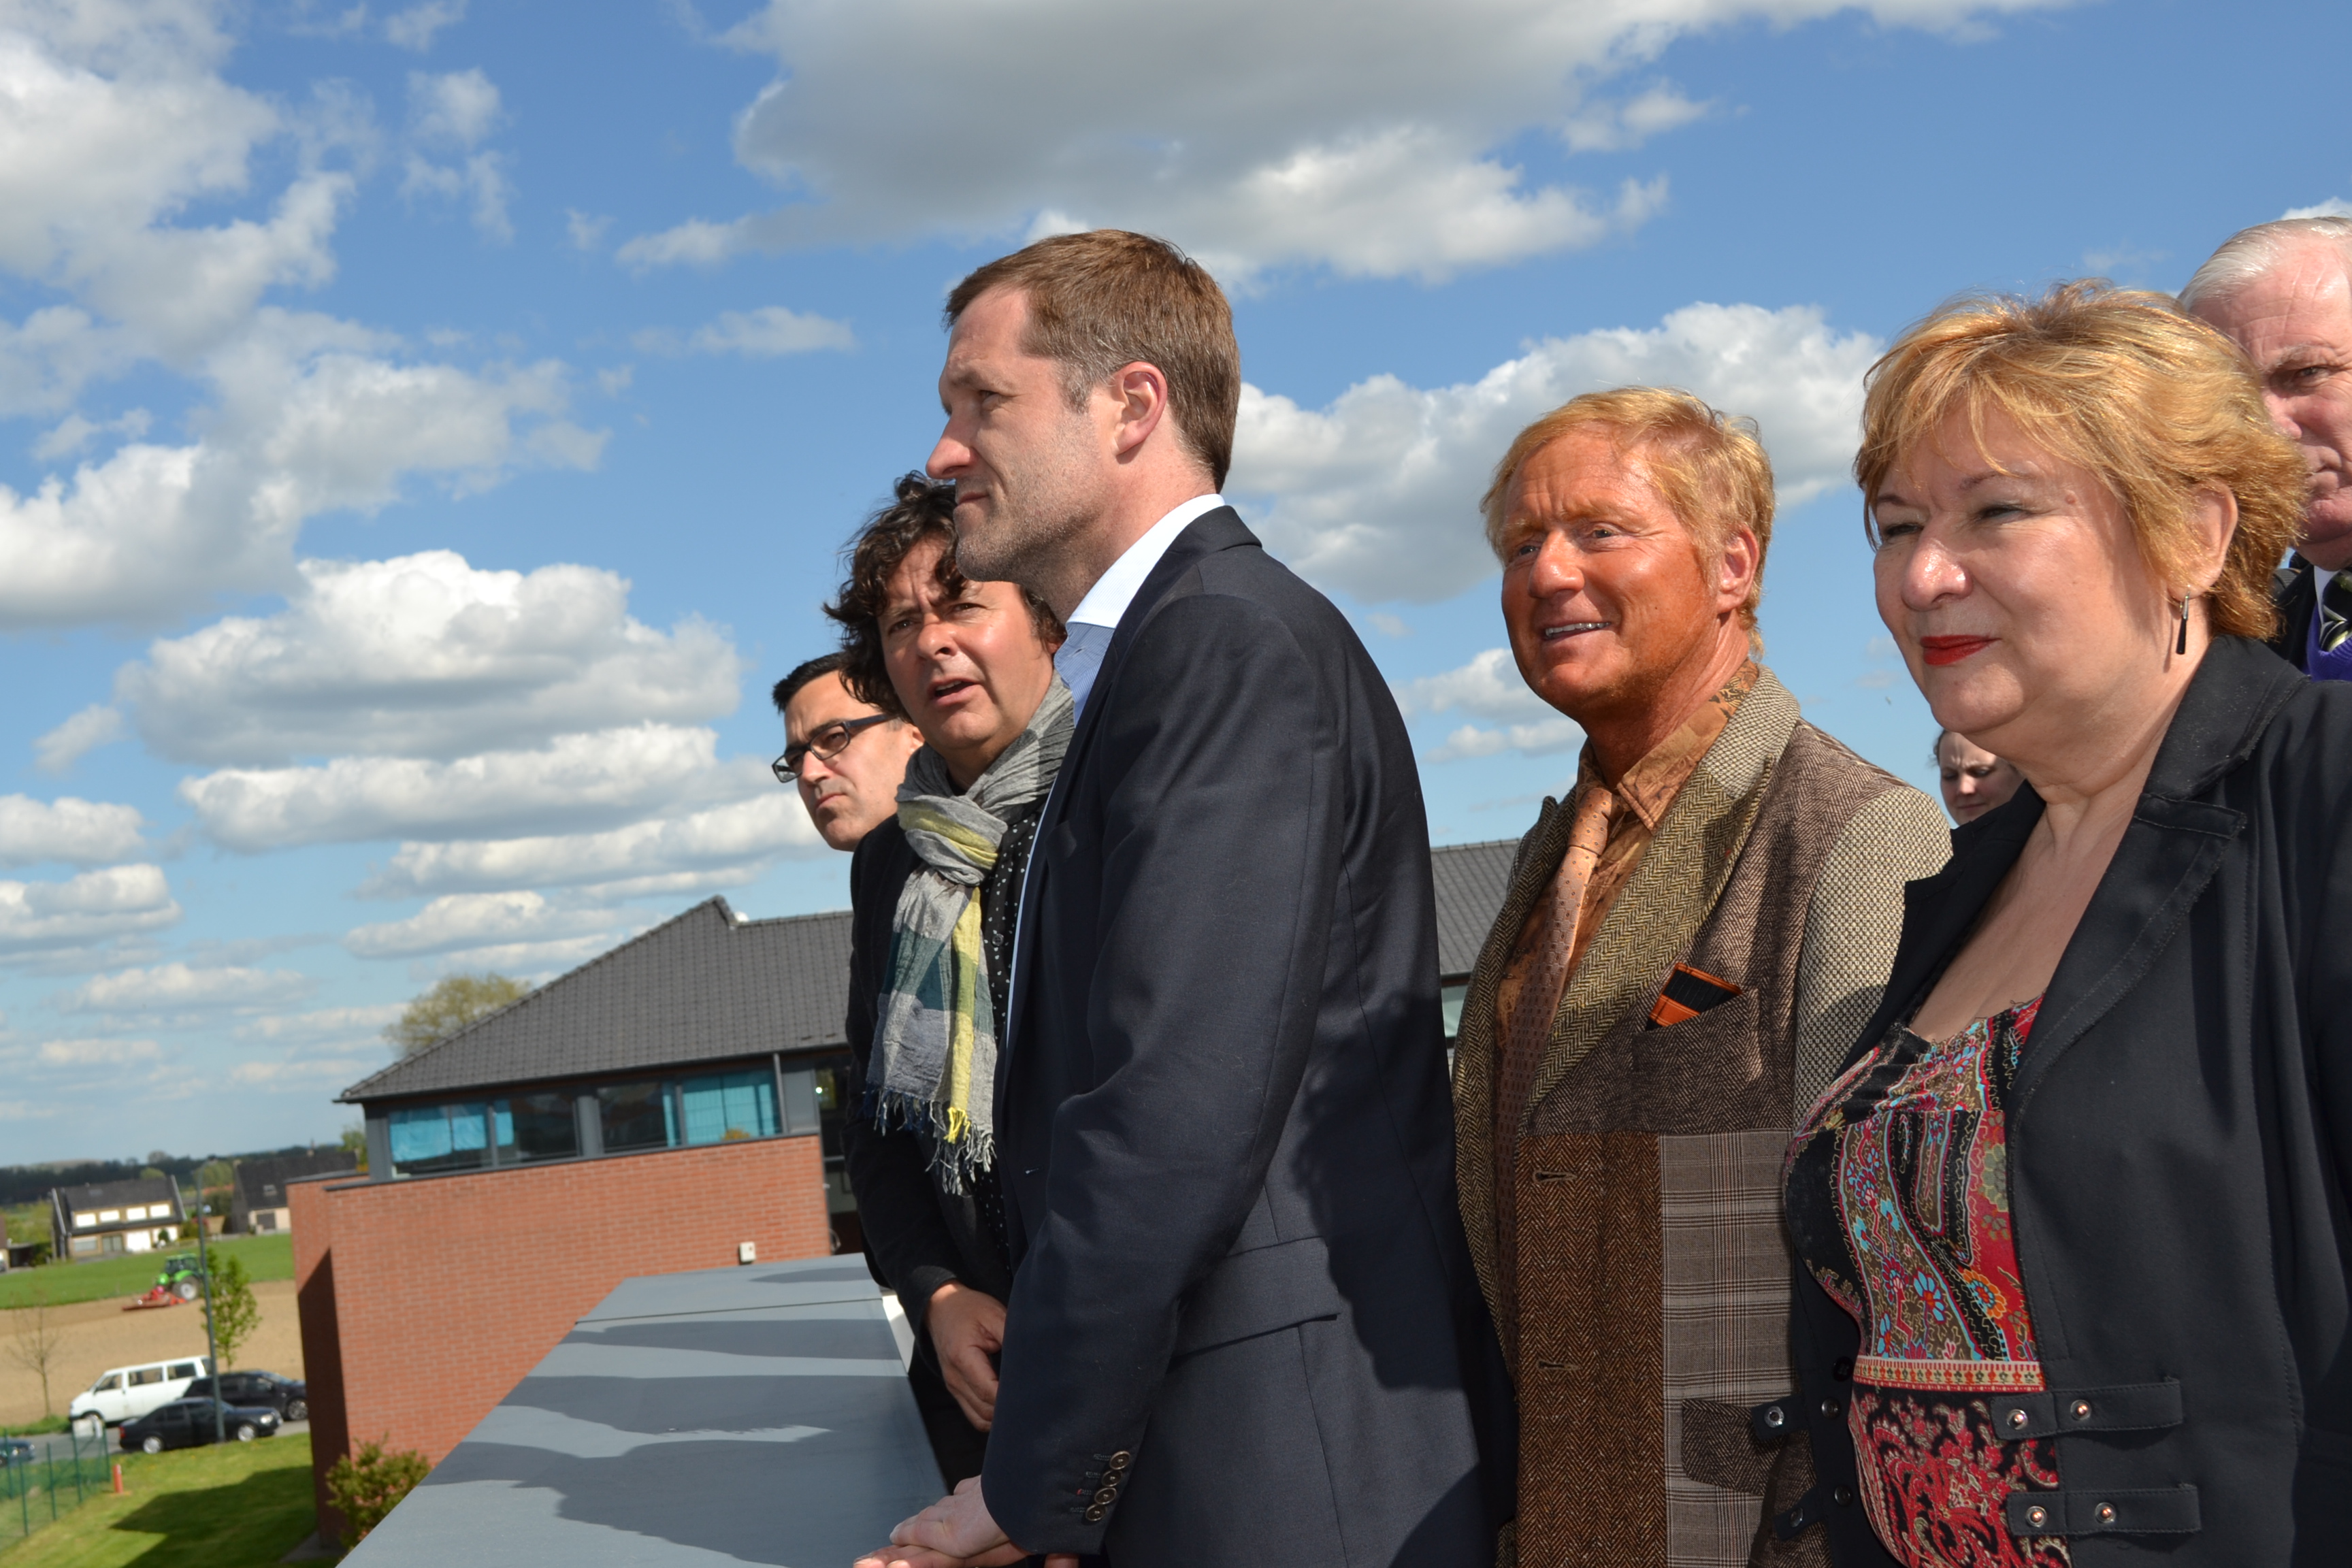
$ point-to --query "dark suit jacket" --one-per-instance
(2179, 1132)
(2293, 591)
(1243, 1327)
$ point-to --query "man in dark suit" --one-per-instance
(2282, 292)
(1243, 1327)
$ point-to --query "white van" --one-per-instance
(126, 1393)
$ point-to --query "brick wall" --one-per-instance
(422, 1302)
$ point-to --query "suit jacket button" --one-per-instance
(1122, 1459)
(1107, 1496)
(1097, 1513)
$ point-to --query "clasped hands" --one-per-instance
(966, 1328)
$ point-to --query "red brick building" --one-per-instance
(658, 1110)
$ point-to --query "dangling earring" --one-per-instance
(2182, 645)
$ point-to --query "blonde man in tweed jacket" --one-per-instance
(1689, 945)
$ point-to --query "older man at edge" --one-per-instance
(2282, 292)
(1689, 948)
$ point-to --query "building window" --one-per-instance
(536, 1127)
(430, 1137)
(636, 1116)
(727, 1106)
(84, 1219)
(84, 1246)
(110, 1216)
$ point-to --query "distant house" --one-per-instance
(114, 1218)
(257, 1202)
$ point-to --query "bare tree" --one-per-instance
(36, 1340)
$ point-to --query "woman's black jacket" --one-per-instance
(2180, 1135)
(917, 1234)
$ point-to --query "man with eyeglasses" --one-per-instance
(847, 757)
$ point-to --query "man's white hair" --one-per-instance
(2251, 252)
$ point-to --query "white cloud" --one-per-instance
(586, 233)
(114, 122)
(474, 919)
(310, 1073)
(674, 855)
(1489, 686)
(1368, 142)
(480, 178)
(81, 832)
(1378, 493)
(323, 1024)
(154, 530)
(415, 28)
(98, 1053)
(456, 108)
(576, 783)
(1541, 739)
(96, 725)
(73, 433)
(695, 241)
(170, 987)
(95, 906)
(424, 657)
(764, 333)
(1603, 126)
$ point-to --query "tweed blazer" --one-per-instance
(1649, 1311)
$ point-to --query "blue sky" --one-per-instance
(428, 428)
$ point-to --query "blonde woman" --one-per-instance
(2072, 1223)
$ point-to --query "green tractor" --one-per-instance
(181, 1280)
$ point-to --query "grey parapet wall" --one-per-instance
(760, 1414)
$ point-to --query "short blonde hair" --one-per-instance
(1709, 466)
(2120, 382)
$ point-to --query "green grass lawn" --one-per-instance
(265, 1258)
(243, 1505)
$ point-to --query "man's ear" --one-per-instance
(1140, 392)
(1735, 568)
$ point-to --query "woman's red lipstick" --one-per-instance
(1951, 650)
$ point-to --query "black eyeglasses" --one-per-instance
(827, 744)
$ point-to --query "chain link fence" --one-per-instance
(38, 1489)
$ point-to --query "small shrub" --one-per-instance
(368, 1485)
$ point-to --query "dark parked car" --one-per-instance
(16, 1451)
(289, 1397)
(184, 1423)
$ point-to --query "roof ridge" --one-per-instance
(726, 914)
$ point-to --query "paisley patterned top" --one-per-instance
(1898, 1204)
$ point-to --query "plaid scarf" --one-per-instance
(934, 1062)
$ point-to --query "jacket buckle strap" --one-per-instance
(1772, 1421)
(2156, 1511)
(1813, 1507)
(2125, 1407)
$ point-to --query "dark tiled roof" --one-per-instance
(261, 1184)
(143, 1192)
(709, 987)
(1471, 881)
(703, 988)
